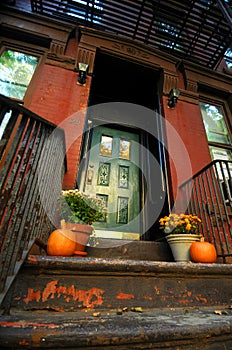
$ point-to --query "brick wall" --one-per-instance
(186, 119)
(59, 99)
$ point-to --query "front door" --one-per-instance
(113, 174)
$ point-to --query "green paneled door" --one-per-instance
(113, 174)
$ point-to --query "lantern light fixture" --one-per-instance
(173, 97)
(82, 73)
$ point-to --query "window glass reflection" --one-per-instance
(124, 151)
(106, 146)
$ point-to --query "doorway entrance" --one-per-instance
(123, 157)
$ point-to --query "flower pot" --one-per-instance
(180, 245)
(82, 233)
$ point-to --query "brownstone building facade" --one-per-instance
(126, 72)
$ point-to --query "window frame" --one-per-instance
(226, 113)
(27, 50)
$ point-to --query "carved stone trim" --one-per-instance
(191, 85)
(131, 50)
(189, 96)
(86, 54)
(57, 48)
(61, 61)
(170, 82)
(11, 32)
(196, 76)
(29, 24)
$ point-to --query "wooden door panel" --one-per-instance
(113, 174)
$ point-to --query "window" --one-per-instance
(214, 123)
(106, 145)
(16, 71)
(220, 145)
(228, 58)
(217, 131)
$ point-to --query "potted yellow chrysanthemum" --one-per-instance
(78, 212)
(181, 230)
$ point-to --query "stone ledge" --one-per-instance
(70, 284)
(185, 329)
(111, 265)
(134, 250)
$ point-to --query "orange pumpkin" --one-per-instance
(203, 252)
(61, 242)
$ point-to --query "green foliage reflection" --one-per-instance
(16, 71)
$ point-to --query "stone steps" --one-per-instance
(90, 302)
(73, 284)
(180, 329)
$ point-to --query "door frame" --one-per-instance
(146, 189)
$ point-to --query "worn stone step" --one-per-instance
(179, 329)
(131, 250)
(70, 284)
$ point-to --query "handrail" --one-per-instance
(33, 159)
(208, 194)
(209, 165)
(13, 104)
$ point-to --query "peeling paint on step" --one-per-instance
(88, 298)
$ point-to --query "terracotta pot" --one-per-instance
(82, 233)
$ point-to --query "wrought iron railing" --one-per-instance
(209, 195)
(32, 164)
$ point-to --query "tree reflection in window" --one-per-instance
(124, 151)
(214, 123)
(106, 146)
(17, 69)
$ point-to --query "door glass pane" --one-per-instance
(123, 176)
(104, 198)
(106, 146)
(122, 217)
(104, 174)
(124, 151)
(214, 123)
(17, 70)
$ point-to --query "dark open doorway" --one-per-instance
(117, 80)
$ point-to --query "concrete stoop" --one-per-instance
(74, 284)
(181, 329)
(95, 303)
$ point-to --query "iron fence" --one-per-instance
(32, 164)
(208, 194)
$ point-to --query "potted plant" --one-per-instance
(78, 211)
(181, 230)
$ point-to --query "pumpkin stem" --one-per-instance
(202, 239)
(62, 224)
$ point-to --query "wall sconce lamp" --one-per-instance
(82, 73)
(173, 97)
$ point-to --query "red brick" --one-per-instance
(59, 99)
